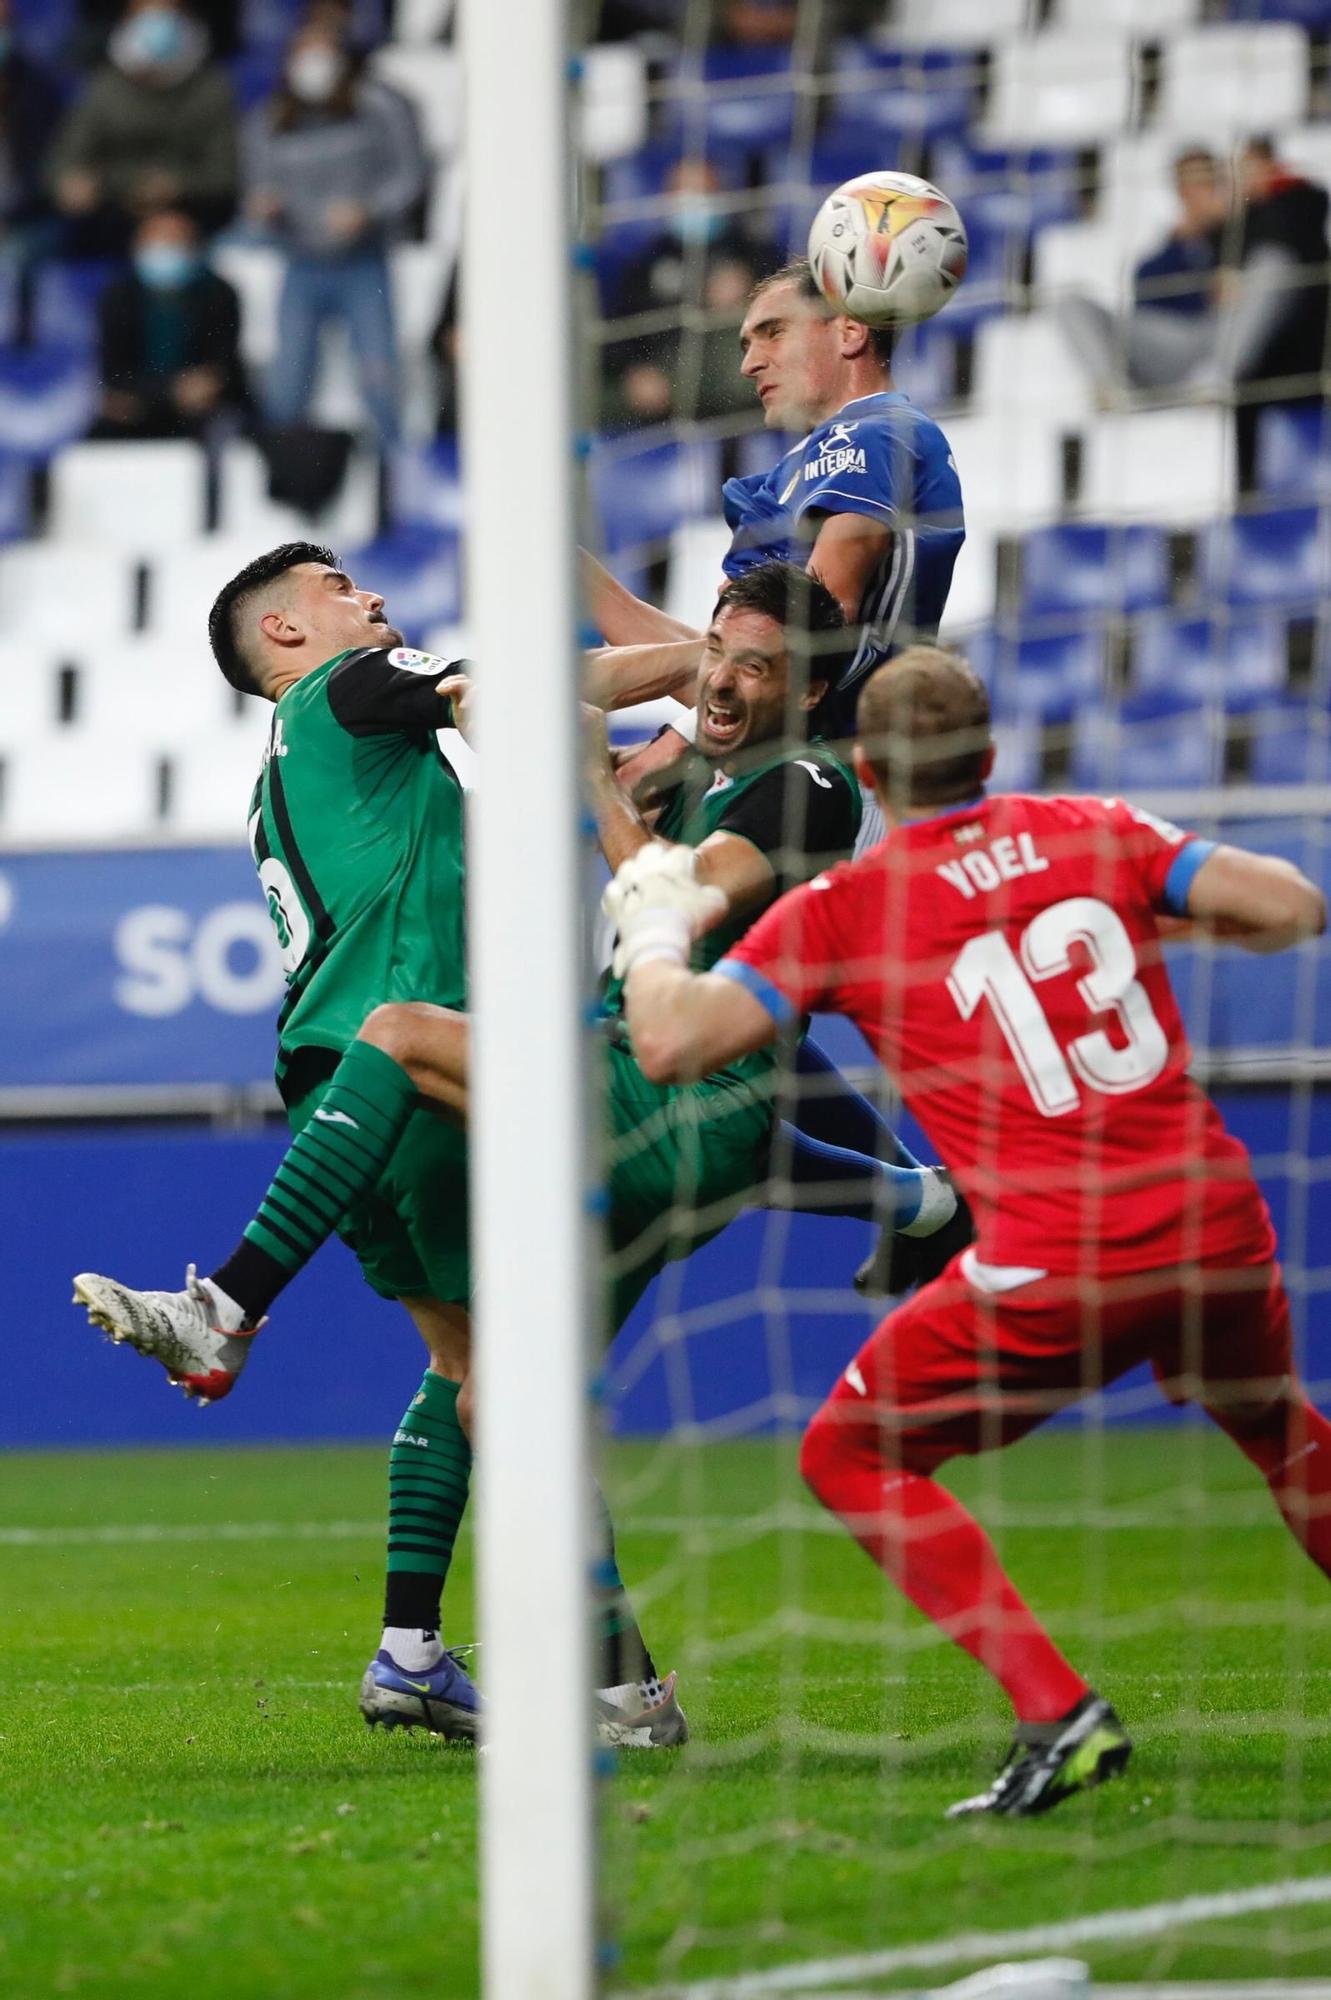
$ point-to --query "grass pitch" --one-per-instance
(189, 1802)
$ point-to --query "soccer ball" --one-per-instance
(888, 249)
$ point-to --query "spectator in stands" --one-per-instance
(699, 269)
(170, 340)
(155, 127)
(1179, 277)
(29, 114)
(1261, 334)
(97, 18)
(334, 167)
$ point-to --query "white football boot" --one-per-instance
(185, 1331)
(628, 1720)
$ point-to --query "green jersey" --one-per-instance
(357, 830)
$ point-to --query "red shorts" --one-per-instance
(955, 1370)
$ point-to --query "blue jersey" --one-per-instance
(883, 458)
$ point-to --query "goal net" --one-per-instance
(1142, 591)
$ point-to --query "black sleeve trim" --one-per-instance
(799, 820)
(369, 696)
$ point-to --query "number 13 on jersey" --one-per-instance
(987, 968)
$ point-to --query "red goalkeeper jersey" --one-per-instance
(1003, 961)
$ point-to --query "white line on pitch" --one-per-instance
(1148, 1920)
(190, 1531)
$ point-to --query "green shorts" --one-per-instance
(681, 1163)
(411, 1233)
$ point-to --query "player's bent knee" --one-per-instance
(390, 1029)
(466, 1406)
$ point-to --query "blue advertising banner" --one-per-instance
(151, 967)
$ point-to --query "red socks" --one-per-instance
(1290, 1445)
(939, 1555)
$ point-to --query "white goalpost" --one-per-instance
(530, 1174)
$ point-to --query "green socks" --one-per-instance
(428, 1472)
(336, 1158)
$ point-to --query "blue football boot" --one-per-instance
(443, 1698)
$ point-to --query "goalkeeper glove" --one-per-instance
(658, 906)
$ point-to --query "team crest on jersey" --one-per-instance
(416, 662)
(965, 834)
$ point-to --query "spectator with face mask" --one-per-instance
(334, 166)
(156, 125)
(170, 340)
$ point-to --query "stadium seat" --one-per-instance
(1250, 77)
(1018, 745)
(1277, 557)
(182, 584)
(419, 22)
(211, 780)
(48, 398)
(1024, 367)
(1153, 742)
(974, 589)
(693, 571)
(733, 100)
(65, 298)
(1012, 188)
(418, 571)
(924, 363)
(1148, 20)
(1172, 466)
(1294, 452)
(1307, 148)
(255, 269)
(74, 787)
(1086, 566)
(420, 278)
(431, 79)
(1090, 258)
(152, 691)
(1312, 14)
(1228, 658)
(15, 497)
(137, 497)
(1288, 744)
(45, 595)
(1137, 202)
(612, 101)
(1043, 677)
(245, 508)
(972, 24)
(641, 491)
(427, 484)
(1010, 471)
(1068, 89)
(29, 694)
(884, 93)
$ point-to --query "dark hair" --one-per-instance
(799, 273)
(232, 597)
(819, 643)
(923, 724)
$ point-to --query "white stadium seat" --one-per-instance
(256, 270)
(1089, 258)
(693, 573)
(1171, 466)
(29, 694)
(1249, 77)
(1060, 89)
(212, 778)
(970, 601)
(421, 21)
(960, 23)
(1307, 149)
(63, 597)
(612, 101)
(136, 497)
(247, 512)
(184, 582)
(153, 691)
(431, 78)
(1148, 20)
(1011, 474)
(1024, 365)
(75, 787)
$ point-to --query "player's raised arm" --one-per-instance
(626, 620)
(1258, 901)
(619, 676)
(848, 550)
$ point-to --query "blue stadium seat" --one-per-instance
(48, 397)
(1085, 566)
(1039, 676)
(643, 488)
(1152, 742)
(1290, 744)
(1280, 557)
(427, 484)
(419, 571)
(1294, 450)
(64, 306)
(45, 29)
(1229, 658)
(884, 94)
(1013, 190)
(1312, 14)
(15, 498)
(732, 102)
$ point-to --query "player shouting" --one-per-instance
(1001, 955)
